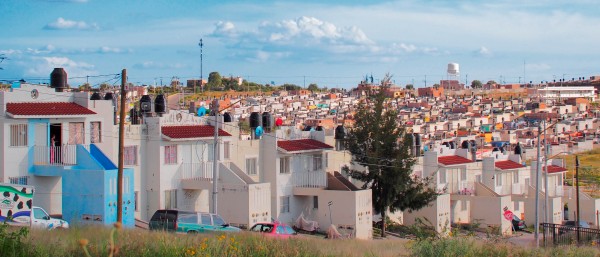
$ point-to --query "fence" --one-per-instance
(63, 155)
(555, 234)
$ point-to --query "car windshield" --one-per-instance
(217, 220)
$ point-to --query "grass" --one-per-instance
(98, 241)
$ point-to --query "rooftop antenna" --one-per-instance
(201, 79)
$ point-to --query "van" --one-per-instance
(189, 222)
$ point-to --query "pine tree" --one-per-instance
(378, 142)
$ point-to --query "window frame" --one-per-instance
(252, 169)
(128, 156)
(95, 133)
(317, 162)
(170, 154)
(19, 135)
(284, 165)
(284, 206)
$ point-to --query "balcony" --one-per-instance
(196, 171)
(64, 155)
(311, 179)
(462, 188)
(556, 191)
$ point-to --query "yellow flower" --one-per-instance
(83, 242)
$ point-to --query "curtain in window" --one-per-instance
(76, 135)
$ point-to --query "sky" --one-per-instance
(333, 43)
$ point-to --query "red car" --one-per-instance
(277, 230)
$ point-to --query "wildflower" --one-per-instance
(190, 252)
(118, 225)
(83, 242)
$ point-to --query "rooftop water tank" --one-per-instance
(109, 96)
(227, 117)
(160, 104)
(340, 132)
(96, 96)
(266, 120)
(146, 104)
(58, 79)
(255, 119)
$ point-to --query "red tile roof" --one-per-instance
(508, 165)
(191, 131)
(302, 145)
(47, 109)
(555, 169)
(453, 160)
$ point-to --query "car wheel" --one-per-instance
(192, 232)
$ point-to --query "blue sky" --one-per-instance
(331, 43)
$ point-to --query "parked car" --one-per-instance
(274, 229)
(570, 225)
(189, 222)
(518, 224)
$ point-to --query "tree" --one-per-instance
(85, 87)
(436, 86)
(214, 80)
(382, 145)
(410, 87)
(476, 84)
(313, 87)
(105, 86)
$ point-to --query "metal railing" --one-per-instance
(64, 155)
(196, 171)
(313, 179)
(462, 188)
(556, 234)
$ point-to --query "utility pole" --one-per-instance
(201, 81)
(121, 147)
(546, 203)
(577, 194)
(215, 157)
(537, 191)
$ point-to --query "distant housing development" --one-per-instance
(286, 162)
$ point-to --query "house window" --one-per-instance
(498, 180)
(317, 162)
(130, 155)
(226, 149)
(326, 160)
(516, 177)
(22, 180)
(463, 205)
(95, 132)
(18, 135)
(517, 205)
(171, 199)
(170, 154)
(442, 177)
(251, 166)
(285, 204)
(284, 165)
(136, 199)
(463, 175)
(76, 133)
(315, 202)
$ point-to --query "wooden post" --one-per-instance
(121, 145)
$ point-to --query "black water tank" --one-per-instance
(266, 120)
(58, 79)
(134, 114)
(340, 132)
(255, 119)
(417, 139)
(465, 144)
(452, 145)
(227, 117)
(319, 128)
(518, 149)
(160, 104)
(146, 104)
(96, 96)
(109, 96)
(307, 128)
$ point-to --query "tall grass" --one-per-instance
(134, 242)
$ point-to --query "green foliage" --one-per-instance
(290, 87)
(313, 87)
(11, 240)
(476, 84)
(382, 145)
(410, 87)
(214, 80)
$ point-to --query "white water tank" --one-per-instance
(453, 68)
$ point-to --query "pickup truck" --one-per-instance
(16, 209)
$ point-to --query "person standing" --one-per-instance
(52, 146)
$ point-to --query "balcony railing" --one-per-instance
(518, 189)
(462, 188)
(64, 155)
(197, 171)
(313, 179)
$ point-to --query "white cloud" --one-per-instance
(484, 52)
(63, 24)
(10, 51)
(155, 65)
(43, 66)
(224, 28)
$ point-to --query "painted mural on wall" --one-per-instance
(15, 202)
